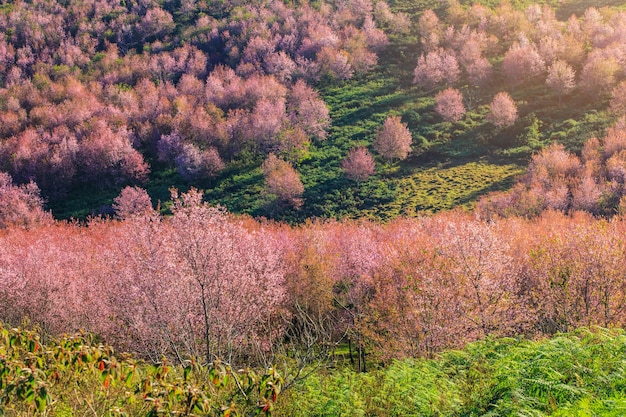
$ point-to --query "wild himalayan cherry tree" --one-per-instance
(306, 109)
(502, 110)
(20, 205)
(618, 100)
(393, 140)
(283, 181)
(132, 201)
(558, 180)
(522, 63)
(599, 74)
(436, 67)
(449, 104)
(191, 162)
(234, 276)
(429, 29)
(359, 164)
(561, 78)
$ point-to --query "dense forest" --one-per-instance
(309, 208)
(316, 303)
(206, 284)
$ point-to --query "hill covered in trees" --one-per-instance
(305, 112)
(290, 111)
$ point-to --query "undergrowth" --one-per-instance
(582, 373)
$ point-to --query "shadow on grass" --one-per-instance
(502, 185)
(381, 105)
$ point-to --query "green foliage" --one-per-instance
(444, 186)
(582, 373)
(610, 407)
(75, 376)
(344, 393)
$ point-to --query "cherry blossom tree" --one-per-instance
(306, 109)
(479, 71)
(449, 104)
(169, 147)
(155, 23)
(192, 162)
(436, 67)
(429, 28)
(618, 100)
(281, 66)
(282, 181)
(502, 110)
(335, 63)
(359, 164)
(20, 205)
(235, 277)
(587, 195)
(393, 140)
(132, 201)
(395, 22)
(486, 270)
(522, 63)
(561, 78)
(267, 119)
(598, 75)
(109, 153)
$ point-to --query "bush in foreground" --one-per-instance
(76, 376)
(577, 373)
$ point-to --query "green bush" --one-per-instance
(582, 373)
(75, 376)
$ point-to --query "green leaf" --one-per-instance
(40, 403)
(29, 395)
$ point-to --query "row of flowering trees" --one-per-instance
(198, 283)
(556, 179)
(204, 283)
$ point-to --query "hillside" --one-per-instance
(88, 98)
(272, 208)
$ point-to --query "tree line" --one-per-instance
(204, 283)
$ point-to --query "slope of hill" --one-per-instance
(141, 93)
